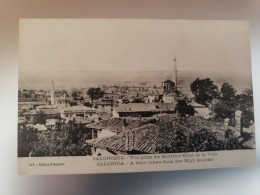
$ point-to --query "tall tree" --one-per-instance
(204, 90)
(95, 93)
(226, 104)
(227, 91)
(229, 102)
(74, 93)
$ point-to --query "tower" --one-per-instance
(52, 93)
(175, 72)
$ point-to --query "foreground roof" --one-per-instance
(116, 124)
(149, 138)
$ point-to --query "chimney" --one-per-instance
(238, 124)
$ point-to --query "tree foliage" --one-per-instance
(246, 105)
(95, 93)
(27, 137)
(88, 104)
(202, 140)
(227, 91)
(204, 90)
(229, 102)
(226, 104)
(75, 93)
(39, 118)
(184, 109)
(179, 144)
(69, 141)
(205, 140)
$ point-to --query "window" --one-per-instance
(95, 134)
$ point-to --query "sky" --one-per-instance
(58, 45)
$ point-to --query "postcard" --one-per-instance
(134, 95)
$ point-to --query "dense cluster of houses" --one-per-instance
(136, 101)
(124, 120)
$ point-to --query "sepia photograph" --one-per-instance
(134, 93)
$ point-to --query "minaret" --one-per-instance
(52, 93)
(175, 72)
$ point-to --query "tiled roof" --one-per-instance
(31, 103)
(145, 139)
(104, 103)
(80, 120)
(31, 100)
(80, 108)
(151, 137)
(116, 124)
(46, 112)
(146, 107)
(47, 107)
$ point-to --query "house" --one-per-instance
(142, 140)
(80, 110)
(152, 138)
(170, 97)
(143, 109)
(21, 123)
(113, 126)
(27, 105)
(108, 92)
(48, 113)
(51, 124)
(40, 127)
(168, 85)
(45, 107)
(63, 103)
(151, 99)
(82, 121)
(154, 90)
(104, 105)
